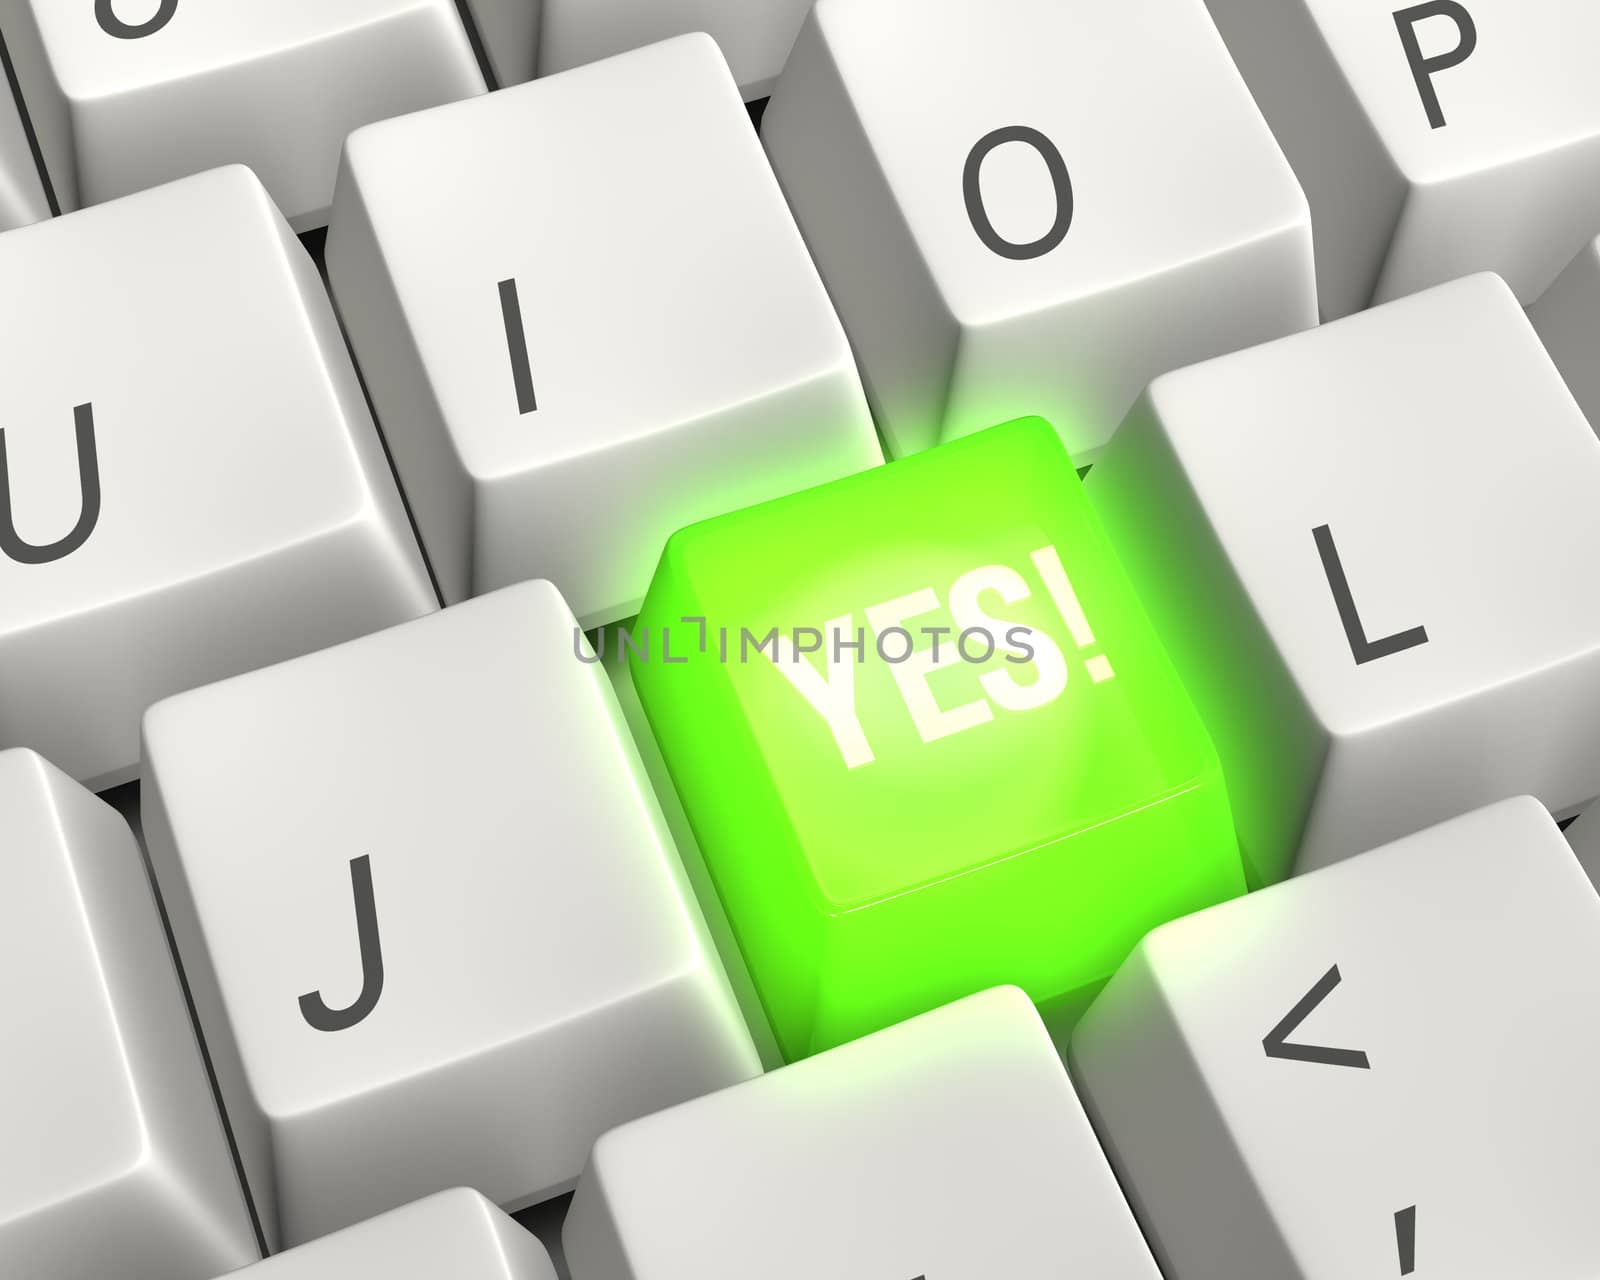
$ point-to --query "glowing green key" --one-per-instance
(926, 738)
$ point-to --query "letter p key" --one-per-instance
(1423, 67)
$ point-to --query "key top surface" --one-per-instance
(1433, 139)
(1034, 206)
(455, 1233)
(1359, 544)
(115, 1161)
(190, 481)
(949, 1145)
(458, 948)
(127, 94)
(1385, 1061)
(894, 826)
(581, 375)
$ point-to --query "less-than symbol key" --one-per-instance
(1277, 1043)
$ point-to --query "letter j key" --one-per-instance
(926, 738)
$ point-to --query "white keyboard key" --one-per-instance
(22, 194)
(190, 482)
(128, 94)
(113, 1159)
(566, 382)
(1433, 139)
(1382, 1069)
(1034, 206)
(454, 1235)
(458, 948)
(1360, 545)
(523, 37)
(949, 1145)
(1567, 319)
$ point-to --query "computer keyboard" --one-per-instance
(975, 681)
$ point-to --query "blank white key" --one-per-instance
(1567, 319)
(1359, 545)
(190, 482)
(22, 194)
(1034, 206)
(951, 1145)
(455, 1234)
(113, 1160)
(1382, 1069)
(127, 94)
(459, 947)
(1434, 138)
(587, 320)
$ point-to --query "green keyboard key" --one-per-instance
(927, 740)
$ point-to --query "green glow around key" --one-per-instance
(976, 823)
